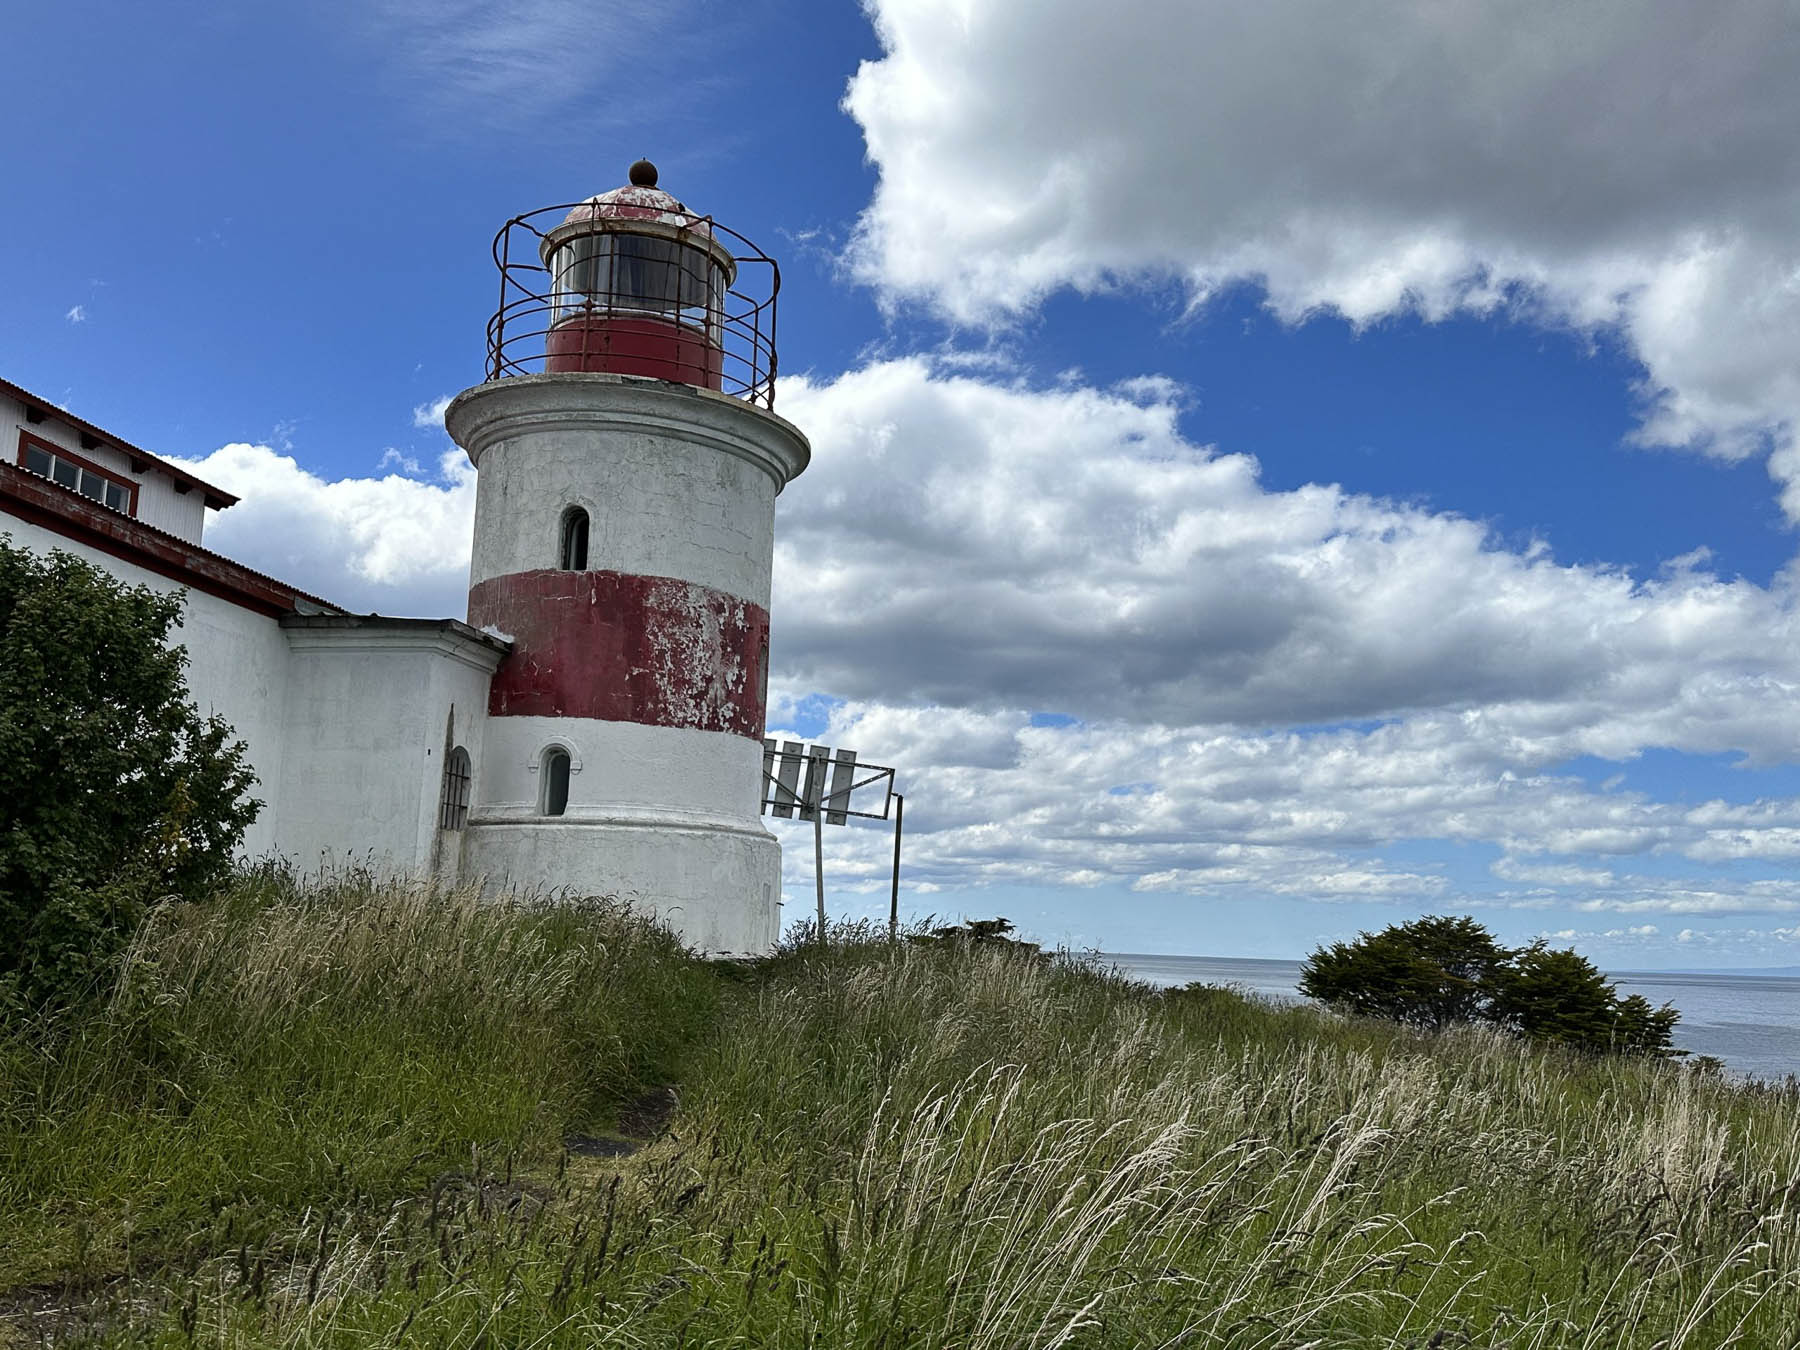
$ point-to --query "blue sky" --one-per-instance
(1274, 476)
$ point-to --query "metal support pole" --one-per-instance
(894, 894)
(818, 816)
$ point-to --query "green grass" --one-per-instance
(333, 1118)
(282, 1050)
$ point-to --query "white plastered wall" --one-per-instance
(665, 817)
(365, 720)
(676, 481)
(237, 667)
(623, 768)
(719, 889)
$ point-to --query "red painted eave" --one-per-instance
(42, 502)
(216, 497)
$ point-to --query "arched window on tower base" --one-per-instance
(554, 799)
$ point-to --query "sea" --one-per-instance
(1750, 1021)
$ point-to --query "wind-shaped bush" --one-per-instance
(114, 790)
(1439, 972)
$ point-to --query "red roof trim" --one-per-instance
(217, 498)
(42, 502)
(27, 438)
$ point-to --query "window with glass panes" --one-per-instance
(75, 473)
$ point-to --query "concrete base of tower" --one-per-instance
(717, 885)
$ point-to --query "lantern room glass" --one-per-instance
(637, 274)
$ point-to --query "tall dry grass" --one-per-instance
(955, 1147)
(286, 1046)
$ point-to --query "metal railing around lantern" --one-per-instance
(540, 310)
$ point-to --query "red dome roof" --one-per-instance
(633, 202)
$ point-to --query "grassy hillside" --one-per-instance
(338, 1117)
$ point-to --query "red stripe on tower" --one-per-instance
(654, 650)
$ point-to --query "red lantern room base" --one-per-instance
(652, 347)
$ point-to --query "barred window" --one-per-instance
(453, 814)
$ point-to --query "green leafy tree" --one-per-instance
(1557, 996)
(1560, 997)
(1433, 972)
(1640, 1029)
(114, 790)
(1437, 972)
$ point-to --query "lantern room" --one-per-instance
(632, 282)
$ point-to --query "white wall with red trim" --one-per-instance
(162, 502)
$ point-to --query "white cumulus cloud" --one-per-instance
(1219, 812)
(1630, 167)
(392, 544)
(430, 416)
(962, 543)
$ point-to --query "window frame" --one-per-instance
(455, 795)
(27, 441)
(632, 273)
(545, 760)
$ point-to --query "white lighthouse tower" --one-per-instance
(629, 457)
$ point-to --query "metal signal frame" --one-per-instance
(786, 795)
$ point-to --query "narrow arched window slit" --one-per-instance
(574, 540)
(555, 786)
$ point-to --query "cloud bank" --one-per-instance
(1222, 813)
(967, 544)
(1268, 690)
(393, 545)
(1609, 165)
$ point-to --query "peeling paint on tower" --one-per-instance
(653, 650)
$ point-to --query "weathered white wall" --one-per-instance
(666, 817)
(676, 481)
(182, 514)
(237, 667)
(344, 729)
(624, 766)
(364, 720)
(719, 889)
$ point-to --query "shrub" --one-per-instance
(1438, 972)
(114, 790)
(1556, 996)
(1433, 972)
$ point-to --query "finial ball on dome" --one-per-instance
(643, 174)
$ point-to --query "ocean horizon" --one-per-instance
(1748, 1019)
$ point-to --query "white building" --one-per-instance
(597, 723)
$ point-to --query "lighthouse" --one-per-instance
(628, 458)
